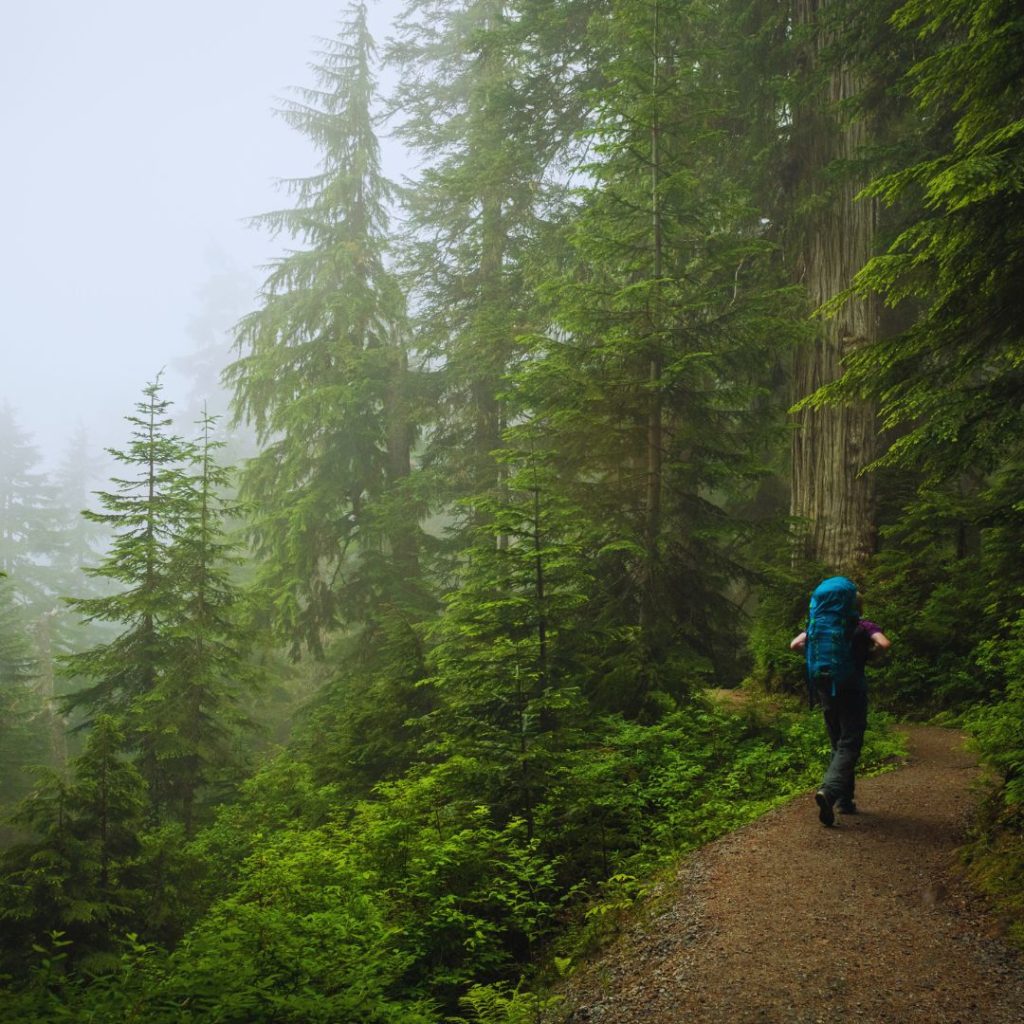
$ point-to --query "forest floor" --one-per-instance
(786, 921)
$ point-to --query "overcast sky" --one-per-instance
(137, 138)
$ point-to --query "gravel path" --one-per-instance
(788, 922)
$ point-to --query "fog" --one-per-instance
(138, 138)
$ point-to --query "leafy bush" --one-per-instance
(395, 910)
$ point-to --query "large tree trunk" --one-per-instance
(832, 503)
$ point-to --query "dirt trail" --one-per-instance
(788, 922)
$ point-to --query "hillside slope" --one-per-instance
(788, 922)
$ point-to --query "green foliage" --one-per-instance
(129, 990)
(281, 794)
(476, 902)
(173, 674)
(950, 382)
(362, 725)
(933, 612)
(303, 937)
(995, 725)
(75, 871)
(22, 739)
(323, 377)
(506, 653)
(30, 535)
(994, 858)
(501, 1004)
(649, 384)
(995, 853)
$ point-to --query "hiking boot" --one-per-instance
(846, 807)
(825, 813)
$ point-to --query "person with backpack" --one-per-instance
(838, 644)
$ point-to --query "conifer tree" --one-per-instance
(22, 740)
(73, 874)
(194, 719)
(78, 473)
(323, 375)
(173, 675)
(667, 311)
(510, 650)
(475, 109)
(144, 513)
(837, 119)
(951, 381)
(29, 532)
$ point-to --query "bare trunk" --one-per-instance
(492, 317)
(399, 464)
(654, 442)
(494, 342)
(832, 503)
(47, 691)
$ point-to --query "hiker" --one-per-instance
(838, 645)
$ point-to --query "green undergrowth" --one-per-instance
(995, 864)
(422, 907)
(994, 860)
(783, 754)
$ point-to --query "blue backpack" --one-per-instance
(831, 624)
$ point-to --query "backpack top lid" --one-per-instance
(835, 596)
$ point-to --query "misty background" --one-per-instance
(138, 140)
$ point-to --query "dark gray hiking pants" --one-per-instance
(846, 718)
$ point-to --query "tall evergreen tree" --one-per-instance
(144, 514)
(22, 735)
(835, 120)
(78, 473)
(172, 677)
(475, 108)
(667, 312)
(29, 529)
(951, 381)
(323, 375)
(195, 717)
